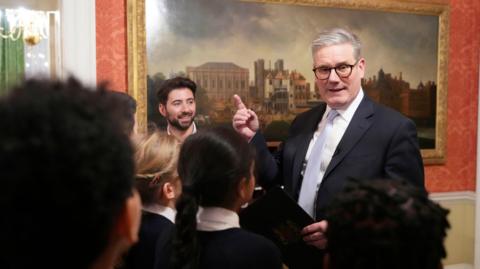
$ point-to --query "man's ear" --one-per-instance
(162, 109)
(361, 67)
(128, 222)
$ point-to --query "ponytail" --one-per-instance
(211, 164)
(185, 244)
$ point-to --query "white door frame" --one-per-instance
(78, 40)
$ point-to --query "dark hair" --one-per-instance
(385, 224)
(211, 165)
(66, 168)
(128, 113)
(172, 84)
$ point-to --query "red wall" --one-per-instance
(111, 21)
(458, 172)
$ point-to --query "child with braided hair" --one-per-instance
(217, 171)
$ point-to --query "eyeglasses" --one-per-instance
(343, 71)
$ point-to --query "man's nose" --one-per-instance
(186, 108)
(333, 76)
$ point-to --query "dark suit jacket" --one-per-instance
(153, 228)
(378, 143)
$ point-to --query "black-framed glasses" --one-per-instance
(342, 70)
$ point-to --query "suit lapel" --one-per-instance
(359, 124)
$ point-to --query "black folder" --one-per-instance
(279, 218)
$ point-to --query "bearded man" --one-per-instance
(177, 105)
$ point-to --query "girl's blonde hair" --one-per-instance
(156, 159)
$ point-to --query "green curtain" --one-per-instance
(12, 59)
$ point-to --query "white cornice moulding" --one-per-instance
(452, 196)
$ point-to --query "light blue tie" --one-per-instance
(308, 190)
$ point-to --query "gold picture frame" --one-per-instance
(137, 51)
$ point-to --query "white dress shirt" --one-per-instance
(216, 219)
(340, 124)
(165, 211)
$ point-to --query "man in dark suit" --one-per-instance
(347, 136)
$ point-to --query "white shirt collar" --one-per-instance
(193, 131)
(216, 219)
(347, 113)
(165, 211)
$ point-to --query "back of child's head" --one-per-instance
(385, 224)
(156, 157)
(127, 115)
(67, 171)
(211, 165)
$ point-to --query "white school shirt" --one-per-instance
(165, 211)
(216, 219)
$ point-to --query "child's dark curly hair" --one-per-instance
(66, 169)
(385, 224)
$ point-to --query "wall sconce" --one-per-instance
(32, 25)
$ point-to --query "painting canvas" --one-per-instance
(261, 51)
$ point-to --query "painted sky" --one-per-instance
(193, 32)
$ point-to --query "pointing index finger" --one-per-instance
(238, 102)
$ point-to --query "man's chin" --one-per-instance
(180, 126)
(338, 102)
(186, 124)
(185, 127)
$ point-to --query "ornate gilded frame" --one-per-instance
(137, 70)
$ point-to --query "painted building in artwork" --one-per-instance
(278, 89)
(418, 103)
(221, 80)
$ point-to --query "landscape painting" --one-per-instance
(261, 51)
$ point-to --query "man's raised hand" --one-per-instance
(245, 121)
